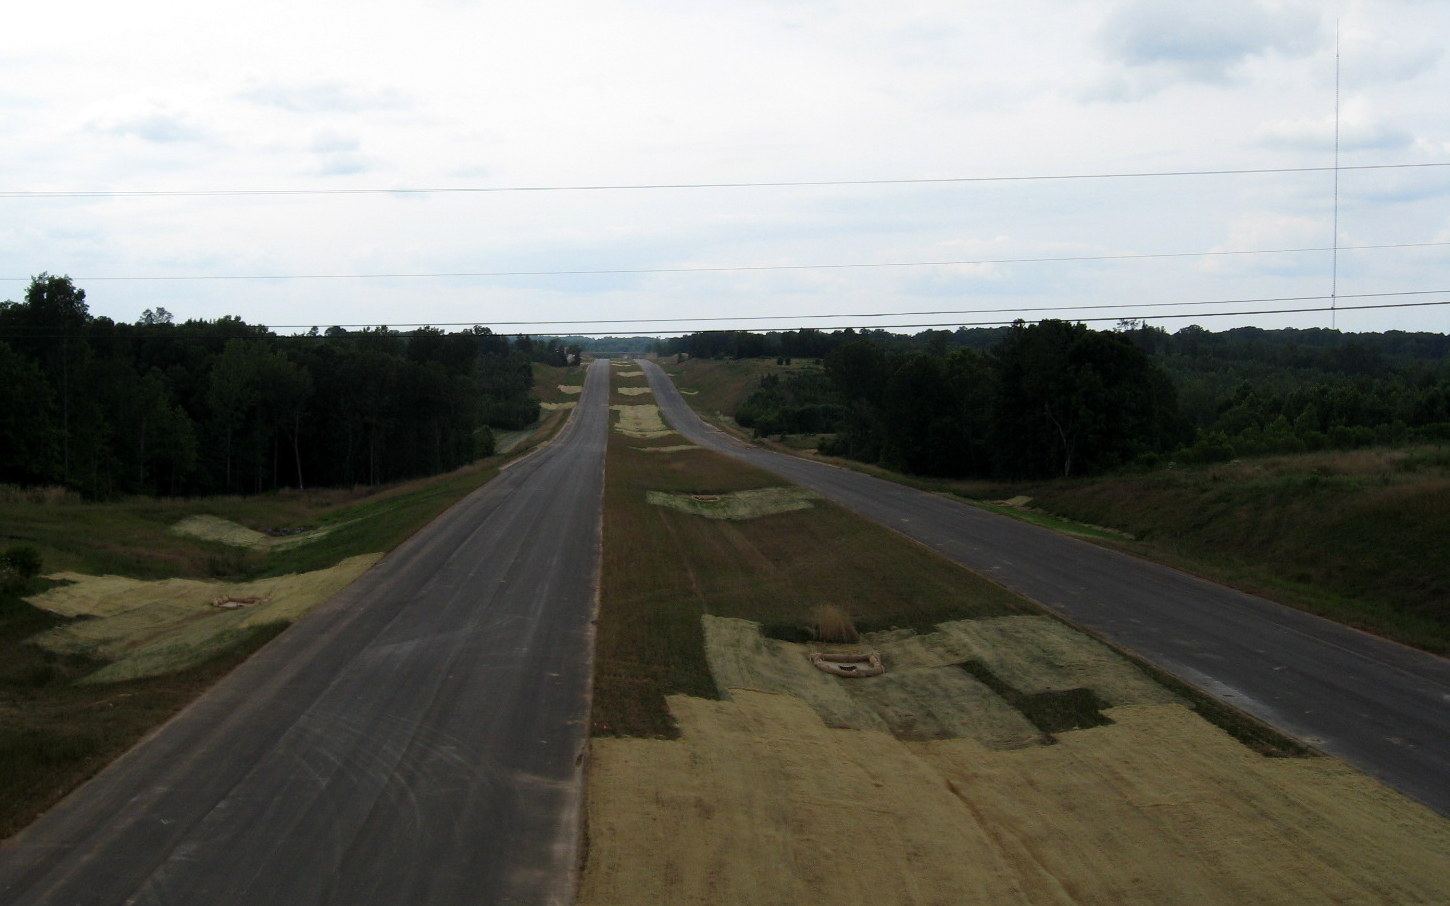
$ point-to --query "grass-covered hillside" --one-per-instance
(1358, 536)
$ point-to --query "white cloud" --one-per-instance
(158, 125)
(1360, 129)
(1161, 42)
(1369, 56)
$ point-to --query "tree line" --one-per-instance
(223, 406)
(1056, 398)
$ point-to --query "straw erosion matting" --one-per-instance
(642, 420)
(149, 628)
(215, 528)
(736, 505)
(925, 693)
(631, 391)
(923, 786)
(760, 802)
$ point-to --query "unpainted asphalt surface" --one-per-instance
(1379, 706)
(417, 740)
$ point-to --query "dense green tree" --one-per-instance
(1072, 400)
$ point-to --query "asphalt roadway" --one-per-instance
(416, 740)
(1379, 706)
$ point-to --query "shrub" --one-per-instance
(18, 566)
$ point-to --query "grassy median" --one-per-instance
(664, 568)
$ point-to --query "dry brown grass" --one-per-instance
(834, 625)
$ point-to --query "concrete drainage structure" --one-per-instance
(849, 665)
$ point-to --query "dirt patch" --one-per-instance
(761, 802)
(149, 628)
(554, 407)
(630, 373)
(215, 528)
(631, 391)
(571, 389)
(736, 505)
(640, 421)
(673, 448)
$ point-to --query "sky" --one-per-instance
(375, 162)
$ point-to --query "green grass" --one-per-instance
(1056, 523)
(549, 378)
(1346, 535)
(715, 388)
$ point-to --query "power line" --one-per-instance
(222, 193)
(746, 268)
(898, 314)
(253, 328)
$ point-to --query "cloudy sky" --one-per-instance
(225, 141)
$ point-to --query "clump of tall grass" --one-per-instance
(834, 625)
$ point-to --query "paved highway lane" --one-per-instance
(418, 739)
(1380, 706)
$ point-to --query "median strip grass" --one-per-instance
(1002, 758)
(664, 569)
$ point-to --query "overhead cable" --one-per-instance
(251, 332)
(213, 193)
(742, 268)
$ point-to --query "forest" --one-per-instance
(1058, 399)
(223, 406)
(216, 407)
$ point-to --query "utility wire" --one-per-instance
(745, 268)
(214, 193)
(253, 328)
(899, 314)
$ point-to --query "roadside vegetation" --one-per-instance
(1350, 535)
(1054, 399)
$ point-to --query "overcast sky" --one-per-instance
(157, 97)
